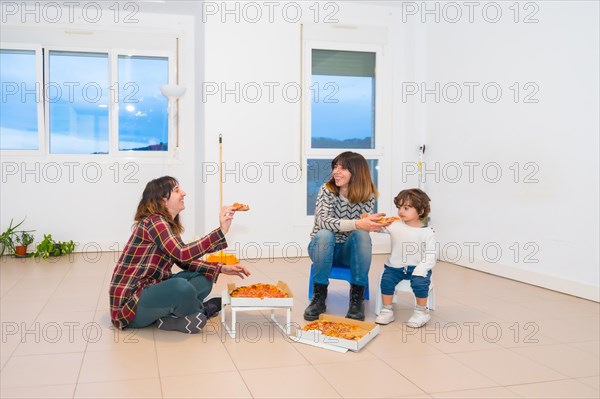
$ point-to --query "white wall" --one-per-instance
(550, 209)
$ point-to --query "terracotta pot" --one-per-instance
(21, 251)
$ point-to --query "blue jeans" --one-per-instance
(355, 252)
(392, 276)
(180, 295)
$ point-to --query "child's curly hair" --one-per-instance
(417, 199)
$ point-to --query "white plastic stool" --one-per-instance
(403, 286)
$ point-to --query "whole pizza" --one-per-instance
(335, 329)
(259, 290)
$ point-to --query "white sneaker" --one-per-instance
(386, 316)
(418, 319)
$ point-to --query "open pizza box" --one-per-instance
(316, 338)
(259, 302)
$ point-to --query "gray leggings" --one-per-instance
(182, 294)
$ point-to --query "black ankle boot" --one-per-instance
(357, 307)
(317, 306)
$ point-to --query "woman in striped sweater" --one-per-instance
(339, 235)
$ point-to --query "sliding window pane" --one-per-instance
(20, 96)
(319, 171)
(78, 98)
(343, 99)
(143, 118)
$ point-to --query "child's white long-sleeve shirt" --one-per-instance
(412, 246)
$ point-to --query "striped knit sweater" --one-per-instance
(338, 214)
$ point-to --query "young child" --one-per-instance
(412, 258)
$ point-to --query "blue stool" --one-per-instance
(338, 272)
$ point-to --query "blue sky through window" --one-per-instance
(143, 118)
(20, 96)
(78, 98)
(343, 110)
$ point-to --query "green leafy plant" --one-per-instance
(6, 238)
(24, 238)
(48, 247)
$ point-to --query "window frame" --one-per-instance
(114, 106)
(382, 134)
(309, 45)
(42, 53)
(40, 100)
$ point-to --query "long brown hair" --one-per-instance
(152, 202)
(360, 187)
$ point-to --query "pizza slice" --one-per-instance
(389, 219)
(238, 207)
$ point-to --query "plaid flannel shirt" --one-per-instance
(147, 259)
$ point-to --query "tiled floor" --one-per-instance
(488, 337)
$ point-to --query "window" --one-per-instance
(20, 99)
(61, 101)
(143, 120)
(343, 101)
(342, 113)
(78, 99)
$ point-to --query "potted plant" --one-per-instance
(23, 240)
(6, 238)
(48, 247)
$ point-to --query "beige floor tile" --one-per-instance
(288, 382)
(454, 337)
(184, 360)
(149, 388)
(506, 367)
(367, 379)
(593, 382)
(225, 385)
(518, 334)
(86, 303)
(29, 371)
(31, 289)
(113, 339)
(496, 392)
(123, 364)
(591, 347)
(316, 355)
(579, 329)
(555, 389)
(67, 320)
(266, 352)
(52, 340)
(7, 349)
(450, 375)
(464, 314)
(563, 358)
(45, 392)
(508, 312)
(565, 309)
(397, 342)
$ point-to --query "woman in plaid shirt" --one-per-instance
(143, 289)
